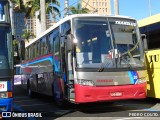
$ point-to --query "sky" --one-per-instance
(137, 9)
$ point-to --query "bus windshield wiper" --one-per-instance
(105, 63)
(117, 57)
(126, 61)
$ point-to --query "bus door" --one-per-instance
(67, 71)
(69, 66)
(57, 79)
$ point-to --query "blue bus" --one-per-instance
(6, 58)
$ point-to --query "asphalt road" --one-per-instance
(120, 110)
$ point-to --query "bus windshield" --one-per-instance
(99, 38)
(5, 48)
(2, 15)
(126, 42)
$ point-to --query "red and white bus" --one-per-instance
(87, 58)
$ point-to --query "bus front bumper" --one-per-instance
(85, 94)
(6, 104)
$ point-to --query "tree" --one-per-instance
(34, 5)
(27, 34)
(52, 8)
(78, 9)
(19, 5)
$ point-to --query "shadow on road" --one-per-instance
(84, 110)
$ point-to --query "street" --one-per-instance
(118, 110)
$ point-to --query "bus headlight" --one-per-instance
(140, 81)
(86, 82)
(5, 94)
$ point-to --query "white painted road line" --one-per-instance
(130, 118)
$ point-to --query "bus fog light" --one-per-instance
(86, 82)
(140, 81)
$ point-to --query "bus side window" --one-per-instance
(43, 46)
(34, 50)
(29, 53)
(52, 38)
(47, 44)
(51, 42)
(56, 47)
(39, 47)
(26, 54)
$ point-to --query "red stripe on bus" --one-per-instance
(44, 56)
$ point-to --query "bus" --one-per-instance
(86, 58)
(17, 74)
(151, 28)
(6, 58)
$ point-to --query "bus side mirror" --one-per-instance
(21, 47)
(144, 42)
(69, 42)
(13, 37)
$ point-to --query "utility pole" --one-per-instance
(12, 17)
(116, 7)
(149, 4)
(66, 8)
(43, 15)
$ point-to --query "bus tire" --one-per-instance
(29, 91)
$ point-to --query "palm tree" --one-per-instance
(19, 5)
(52, 8)
(34, 5)
(78, 9)
(27, 34)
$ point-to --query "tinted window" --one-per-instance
(5, 48)
(54, 35)
(43, 46)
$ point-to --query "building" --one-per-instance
(98, 6)
(33, 25)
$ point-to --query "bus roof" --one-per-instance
(149, 20)
(74, 16)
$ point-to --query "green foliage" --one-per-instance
(19, 5)
(31, 6)
(78, 9)
(34, 5)
(26, 35)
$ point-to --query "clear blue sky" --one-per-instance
(137, 9)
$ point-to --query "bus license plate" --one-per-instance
(116, 94)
